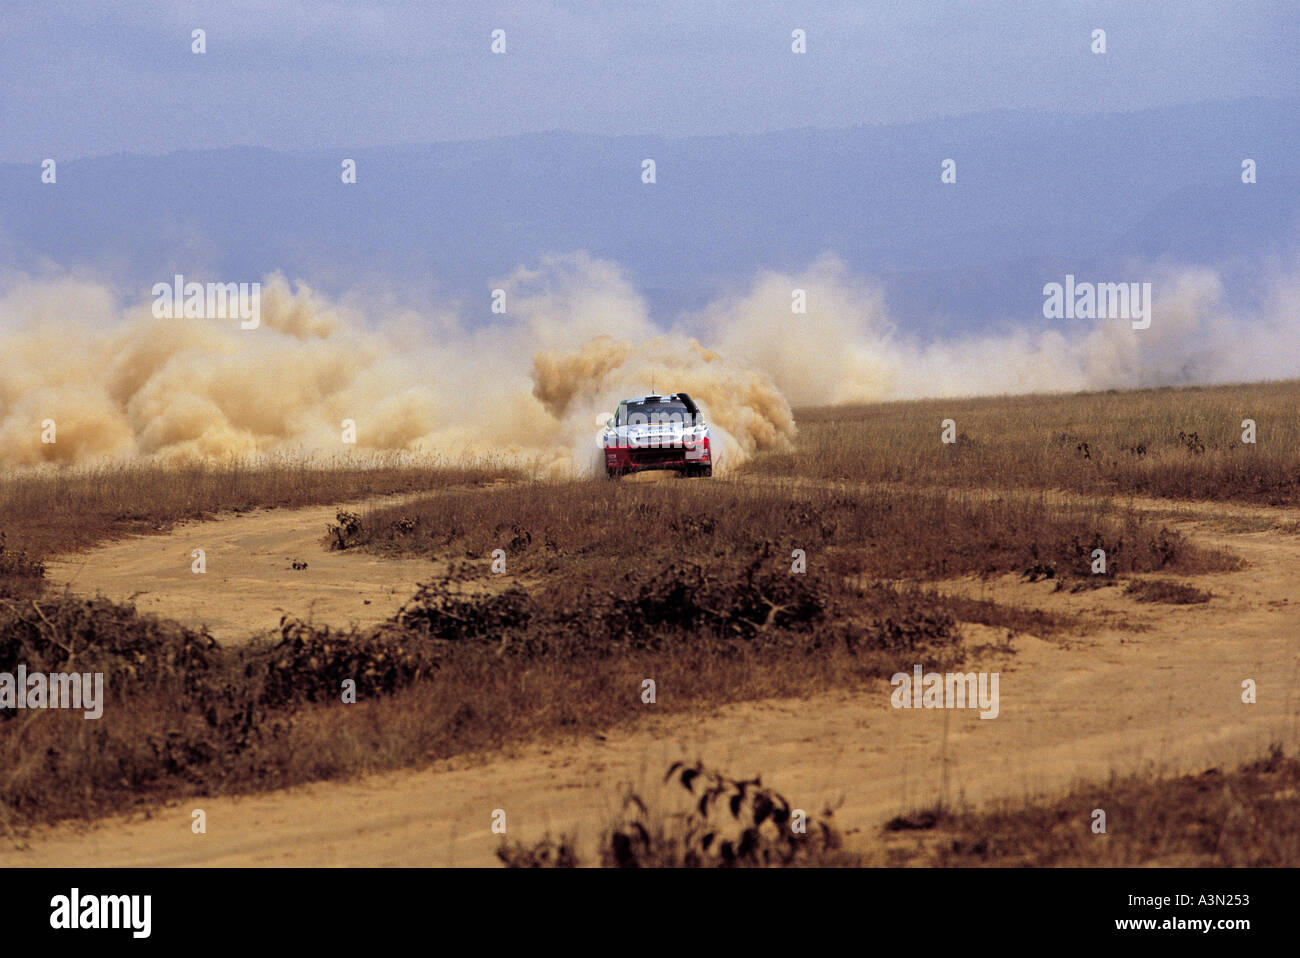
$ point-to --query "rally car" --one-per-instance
(658, 432)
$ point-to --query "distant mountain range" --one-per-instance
(1037, 195)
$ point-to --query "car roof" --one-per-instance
(653, 397)
(684, 398)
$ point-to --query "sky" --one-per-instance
(118, 76)
(817, 174)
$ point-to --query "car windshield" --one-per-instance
(652, 413)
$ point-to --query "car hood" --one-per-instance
(650, 434)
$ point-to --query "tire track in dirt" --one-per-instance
(1115, 700)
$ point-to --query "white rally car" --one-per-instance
(658, 432)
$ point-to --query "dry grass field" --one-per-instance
(809, 576)
(1176, 443)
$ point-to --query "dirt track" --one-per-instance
(250, 580)
(1114, 700)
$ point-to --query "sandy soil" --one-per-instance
(1168, 697)
(250, 580)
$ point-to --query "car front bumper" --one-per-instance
(681, 456)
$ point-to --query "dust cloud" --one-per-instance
(847, 348)
(536, 383)
(119, 383)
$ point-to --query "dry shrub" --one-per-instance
(15, 562)
(21, 575)
(547, 853)
(731, 823)
(1166, 590)
(310, 663)
(728, 823)
(136, 653)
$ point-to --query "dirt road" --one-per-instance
(1118, 699)
(249, 580)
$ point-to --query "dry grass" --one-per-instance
(452, 674)
(555, 529)
(607, 584)
(1167, 591)
(1249, 817)
(663, 580)
(1177, 443)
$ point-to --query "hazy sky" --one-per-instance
(109, 76)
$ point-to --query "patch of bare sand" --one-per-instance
(250, 580)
